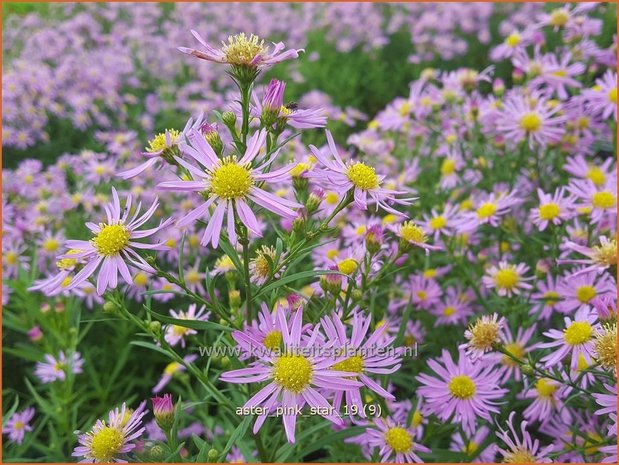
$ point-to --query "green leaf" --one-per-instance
(193, 324)
(237, 434)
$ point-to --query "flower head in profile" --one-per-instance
(355, 177)
(600, 257)
(411, 233)
(293, 375)
(243, 51)
(228, 184)
(272, 110)
(112, 249)
(521, 450)
(18, 425)
(110, 440)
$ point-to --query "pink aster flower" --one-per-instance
(365, 355)
(272, 109)
(470, 446)
(112, 248)
(465, 391)
(241, 50)
(600, 201)
(53, 368)
(577, 339)
(355, 177)
(547, 395)
(395, 442)
(602, 98)
(177, 333)
(547, 296)
(293, 376)
(553, 209)
(599, 257)
(530, 118)
(487, 209)
(580, 289)
(228, 184)
(111, 440)
(18, 425)
(171, 370)
(507, 279)
(481, 335)
(525, 450)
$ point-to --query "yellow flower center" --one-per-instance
(549, 211)
(292, 372)
(398, 439)
(158, 143)
(332, 198)
(513, 40)
(348, 266)
(471, 448)
(596, 175)
(10, 258)
(172, 368)
(111, 239)
(299, 169)
(352, 364)
(438, 222)
(417, 418)
(179, 331)
(449, 310)
(430, 273)
(462, 387)
(140, 279)
(106, 444)
(531, 122)
(241, 50)
(507, 278)
(606, 347)
(67, 263)
(422, 295)
(273, 340)
(520, 456)
(51, 245)
(545, 387)
(585, 293)
(559, 17)
(552, 298)
(603, 200)
(516, 350)
(578, 333)
(486, 210)
(362, 176)
(413, 233)
(231, 180)
(483, 334)
(612, 95)
(448, 167)
(606, 254)
(18, 425)
(193, 277)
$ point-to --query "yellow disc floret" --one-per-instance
(585, 293)
(362, 176)
(352, 364)
(231, 181)
(530, 122)
(111, 239)
(507, 278)
(545, 387)
(606, 347)
(292, 372)
(348, 266)
(603, 200)
(273, 340)
(486, 210)
(106, 444)
(241, 50)
(412, 233)
(578, 333)
(462, 387)
(549, 211)
(399, 440)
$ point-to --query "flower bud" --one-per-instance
(234, 297)
(35, 334)
(213, 455)
(155, 327)
(110, 308)
(163, 409)
(229, 119)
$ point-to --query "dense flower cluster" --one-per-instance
(439, 287)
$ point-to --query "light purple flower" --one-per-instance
(53, 368)
(18, 425)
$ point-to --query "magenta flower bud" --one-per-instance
(274, 96)
(35, 334)
(294, 301)
(402, 260)
(163, 409)
(498, 87)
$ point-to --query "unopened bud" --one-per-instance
(110, 308)
(213, 455)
